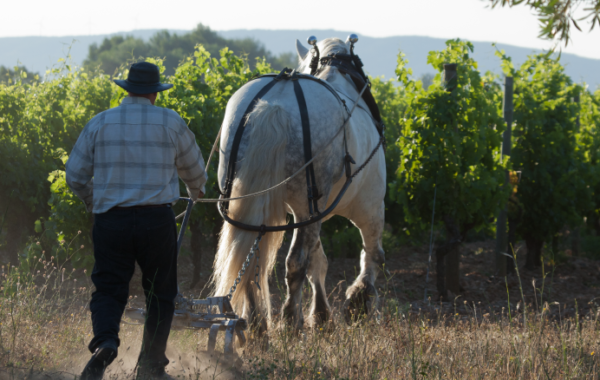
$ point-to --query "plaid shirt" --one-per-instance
(132, 155)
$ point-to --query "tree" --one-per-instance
(557, 16)
(173, 48)
(451, 151)
(391, 100)
(39, 121)
(554, 189)
(588, 140)
(427, 80)
(17, 74)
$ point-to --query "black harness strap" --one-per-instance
(311, 183)
(289, 74)
(351, 65)
(237, 139)
(291, 226)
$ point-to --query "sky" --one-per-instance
(466, 19)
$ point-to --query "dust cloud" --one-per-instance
(183, 365)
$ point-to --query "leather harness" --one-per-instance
(311, 184)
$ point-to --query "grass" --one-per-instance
(45, 328)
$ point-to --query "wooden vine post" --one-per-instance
(576, 231)
(452, 259)
(501, 231)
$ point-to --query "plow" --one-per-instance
(213, 313)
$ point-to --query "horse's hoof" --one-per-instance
(292, 320)
(328, 327)
(317, 320)
(360, 302)
(289, 326)
(320, 324)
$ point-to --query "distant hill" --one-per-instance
(378, 54)
(39, 53)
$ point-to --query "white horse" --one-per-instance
(270, 151)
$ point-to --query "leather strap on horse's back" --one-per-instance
(311, 183)
(237, 139)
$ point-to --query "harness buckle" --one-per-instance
(283, 73)
(313, 193)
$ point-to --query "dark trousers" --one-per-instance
(122, 237)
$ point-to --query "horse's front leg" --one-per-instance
(297, 264)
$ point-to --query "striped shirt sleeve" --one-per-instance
(80, 168)
(189, 162)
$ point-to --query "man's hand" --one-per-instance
(200, 195)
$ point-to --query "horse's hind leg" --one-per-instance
(256, 321)
(317, 270)
(297, 265)
(361, 296)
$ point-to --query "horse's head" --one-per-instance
(326, 47)
(334, 61)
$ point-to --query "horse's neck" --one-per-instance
(340, 82)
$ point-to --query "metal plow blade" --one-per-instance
(213, 313)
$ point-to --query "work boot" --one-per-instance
(101, 358)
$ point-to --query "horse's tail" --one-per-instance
(263, 166)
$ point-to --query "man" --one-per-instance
(125, 167)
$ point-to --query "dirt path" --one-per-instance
(575, 283)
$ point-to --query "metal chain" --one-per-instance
(253, 251)
(257, 269)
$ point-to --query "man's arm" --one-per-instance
(80, 169)
(190, 164)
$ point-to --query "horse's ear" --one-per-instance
(302, 51)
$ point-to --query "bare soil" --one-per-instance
(574, 283)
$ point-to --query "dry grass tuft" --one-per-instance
(45, 328)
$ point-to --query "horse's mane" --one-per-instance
(326, 47)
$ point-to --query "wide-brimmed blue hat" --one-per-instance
(143, 78)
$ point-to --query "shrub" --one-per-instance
(554, 188)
